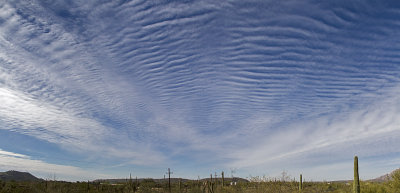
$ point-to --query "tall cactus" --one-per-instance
(301, 183)
(211, 183)
(356, 182)
(180, 185)
(223, 180)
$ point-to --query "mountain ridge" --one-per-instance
(384, 178)
(13, 175)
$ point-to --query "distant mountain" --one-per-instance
(17, 176)
(115, 181)
(385, 177)
(160, 181)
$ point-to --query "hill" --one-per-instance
(17, 176)
(385, 177)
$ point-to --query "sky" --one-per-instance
(101, 89)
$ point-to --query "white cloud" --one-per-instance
(19, 162)
(44, 121)
(310, 143)
(25, 115)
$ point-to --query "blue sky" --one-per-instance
(101, 89)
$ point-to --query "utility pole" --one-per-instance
(165, 182)
(169, 179)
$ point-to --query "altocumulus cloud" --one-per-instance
(260, 85)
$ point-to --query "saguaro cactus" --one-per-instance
(211, 183)
(356, 182)
(223, 180)
(180, 185)
(301, 183)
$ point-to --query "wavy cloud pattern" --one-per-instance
(256, 84)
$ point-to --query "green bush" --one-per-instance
(395, 181)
